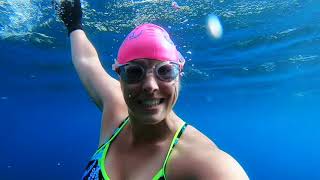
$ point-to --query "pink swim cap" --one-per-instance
(149, 41)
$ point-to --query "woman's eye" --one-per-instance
(165, 70)
(133, 70)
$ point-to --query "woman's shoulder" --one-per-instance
(197, 157)
(193, 141)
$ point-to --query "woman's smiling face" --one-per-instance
(151, 99)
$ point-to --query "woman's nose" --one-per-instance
(150, 84)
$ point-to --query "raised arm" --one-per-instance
(103, 89)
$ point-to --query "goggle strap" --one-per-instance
(181, 61)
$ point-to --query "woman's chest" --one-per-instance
(139, 165)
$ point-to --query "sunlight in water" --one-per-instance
(19, 19)
(215, 26)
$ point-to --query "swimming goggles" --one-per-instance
(132, 73)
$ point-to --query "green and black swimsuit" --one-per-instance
(96, 170)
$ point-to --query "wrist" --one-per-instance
(73, 28)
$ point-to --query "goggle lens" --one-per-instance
(168, 72)
(131, 73)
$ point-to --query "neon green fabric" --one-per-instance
(101, 153)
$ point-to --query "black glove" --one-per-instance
(70, 13)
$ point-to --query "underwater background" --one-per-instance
(255, 91)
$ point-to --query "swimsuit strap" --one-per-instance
(93, 169)
(107, 144)
(174, 142)
(117, 131)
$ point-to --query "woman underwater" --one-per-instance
(141, 136)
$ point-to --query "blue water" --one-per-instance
(255, 92)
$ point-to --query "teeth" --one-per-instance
(151, 102)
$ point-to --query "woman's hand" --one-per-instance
(70, 13)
